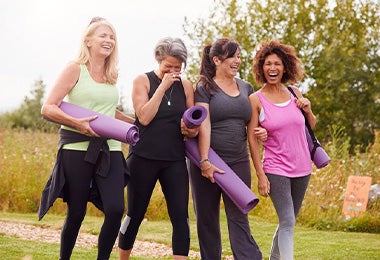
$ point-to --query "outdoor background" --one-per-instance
(337, 41)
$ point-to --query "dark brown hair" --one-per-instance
(293, 67)
(223, 49)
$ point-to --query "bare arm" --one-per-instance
(263, 183)
(63, 85)
(305, 105)
(145, 108)
(204, 136)
(121, 116)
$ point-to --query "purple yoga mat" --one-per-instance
(229, 182)
(321, 158)
(104, 125)
(194, 116)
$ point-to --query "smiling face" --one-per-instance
(102, 42)
(229, 66)
(170, 65)
(273, 69)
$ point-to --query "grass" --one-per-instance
(309, 243)
(322, 232)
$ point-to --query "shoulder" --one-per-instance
(254, 97)
(73, 67)
(296, 91)
(242, 82)
(187, 85)
(141, 78)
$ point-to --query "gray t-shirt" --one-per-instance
(229, 117)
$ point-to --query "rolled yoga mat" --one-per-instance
(229, 182)
(319, 156)
(194, 116)
(104, 125)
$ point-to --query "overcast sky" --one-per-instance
(39, 37)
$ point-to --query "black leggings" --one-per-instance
(79, 176)
(174, 181)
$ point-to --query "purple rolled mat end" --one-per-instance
(194, 116)
(321, 159)
(132, 136)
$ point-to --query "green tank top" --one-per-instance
(99, 97)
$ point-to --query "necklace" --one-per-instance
(170, 96)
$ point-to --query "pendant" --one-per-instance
(169, 103)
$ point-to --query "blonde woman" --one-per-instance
(89, 81)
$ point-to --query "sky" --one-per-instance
(40, 37)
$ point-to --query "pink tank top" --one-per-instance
(285, 151)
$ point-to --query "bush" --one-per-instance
(27, 158)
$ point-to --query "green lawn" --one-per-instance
(309, 244)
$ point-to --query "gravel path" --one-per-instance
(30, 232)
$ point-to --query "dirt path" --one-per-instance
(30, 232)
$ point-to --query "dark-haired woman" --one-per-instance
(226, 98)
(285, 171)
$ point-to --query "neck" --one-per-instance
(159, 73)
(274, 87)
(222, 79)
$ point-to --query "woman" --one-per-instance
(226, 99)
(285, 171)
(160, 97)
(89, 81)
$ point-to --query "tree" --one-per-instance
(338, 44)
(28, 115)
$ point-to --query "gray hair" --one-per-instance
(168, 46)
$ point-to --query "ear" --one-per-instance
(216, 60)
(88, 43)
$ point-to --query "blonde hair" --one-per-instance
(111, 69)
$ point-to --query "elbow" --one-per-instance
(144, 122)
(44, 111)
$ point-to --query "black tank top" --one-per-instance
(162, 138)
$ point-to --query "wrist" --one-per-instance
(203, 161)
(205, 168)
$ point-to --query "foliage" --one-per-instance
(27, 158)
(28, 115)
(338, 43)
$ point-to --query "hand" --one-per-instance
(85, 128)
(189, 132)
(169, 78)
(264, 186)
(304, 104)
(209, 171)
(261, 133)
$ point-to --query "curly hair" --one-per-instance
(293, 66)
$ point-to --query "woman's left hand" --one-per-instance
(189, 132)
(304, 104)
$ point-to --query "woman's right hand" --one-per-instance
(169, 78)
(261, 133)
(263, 185)
(84, 126)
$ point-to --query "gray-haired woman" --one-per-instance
(160, 97)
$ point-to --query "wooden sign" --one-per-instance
(356, 198)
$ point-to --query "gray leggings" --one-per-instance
(287, 195)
